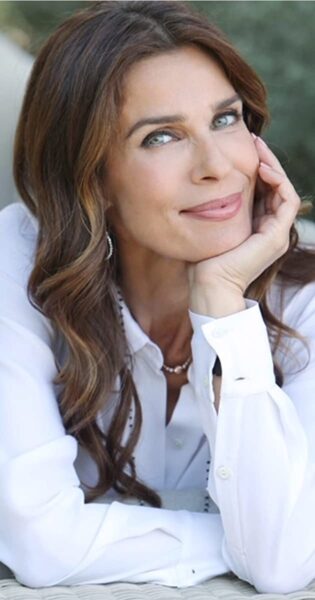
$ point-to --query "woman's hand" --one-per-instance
(218, 284)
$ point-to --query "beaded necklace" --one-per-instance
(179, 368)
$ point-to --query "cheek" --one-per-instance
(137, 200)
(240, 147)
(154, 178)
(248, 158)
(252, 165)
(149, 190)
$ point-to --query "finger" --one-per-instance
(272, 202)
(260, 191)
(267, 156)
(271, 176)
(266, 199)
(284, 192)
(272, 198)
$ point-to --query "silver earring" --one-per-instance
(110, 247)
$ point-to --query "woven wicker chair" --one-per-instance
(226, 587)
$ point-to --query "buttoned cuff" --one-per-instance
(241, 342)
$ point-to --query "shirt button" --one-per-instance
(223, 472)
(178, 443)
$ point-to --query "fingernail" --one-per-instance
(262, 164)
(254, 135)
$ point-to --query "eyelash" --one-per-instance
(237, 114)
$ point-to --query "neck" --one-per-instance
(156, 291)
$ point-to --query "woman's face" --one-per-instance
(195, 149)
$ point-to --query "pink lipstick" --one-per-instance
(216, 210)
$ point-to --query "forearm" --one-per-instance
(261, 477)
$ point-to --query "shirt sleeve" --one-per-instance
(48, 534)
(262, 474)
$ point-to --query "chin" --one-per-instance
(222, 246)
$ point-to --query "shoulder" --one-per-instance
(18, 239)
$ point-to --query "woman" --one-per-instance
(153, 253)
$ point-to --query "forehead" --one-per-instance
(171, 81)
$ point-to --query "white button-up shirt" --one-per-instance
(238, 487)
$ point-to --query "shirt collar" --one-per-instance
(137, 338)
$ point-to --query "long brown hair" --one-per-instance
(69, 117)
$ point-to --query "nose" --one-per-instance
(210, 161)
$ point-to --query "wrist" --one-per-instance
(216, 301)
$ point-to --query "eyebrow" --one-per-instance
(177, 118)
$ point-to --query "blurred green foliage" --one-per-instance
(30, 22)
(276, 37)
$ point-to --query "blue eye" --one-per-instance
(148, 142)
(226, 119)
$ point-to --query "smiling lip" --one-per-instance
(217, 210)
